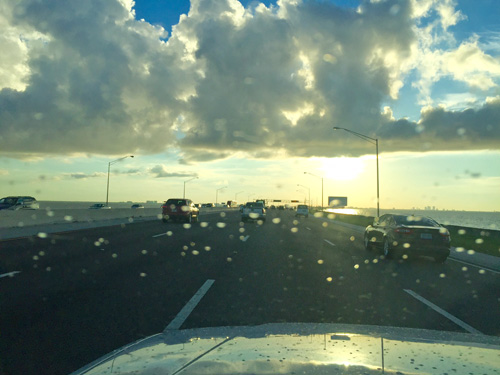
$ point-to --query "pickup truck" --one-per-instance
(253, 211)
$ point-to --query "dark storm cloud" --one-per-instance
(265, 81)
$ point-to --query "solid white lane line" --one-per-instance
(474, 265)
(189, 307)
(159, 235)
(9, 274)
(443, 312)
(330, 243)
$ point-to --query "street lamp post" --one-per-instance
(309, 189)
(321, 186)
(109, 167)
(217, 194)
(372, 141)
(236, 195)
(191, 179)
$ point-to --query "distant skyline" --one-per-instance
(245, 94)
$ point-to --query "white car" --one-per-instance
(302, 210)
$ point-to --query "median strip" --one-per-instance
(446, 314)
(190, 306)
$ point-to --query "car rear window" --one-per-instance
(176, 202)
(301, 206)
(415, 220)
(254, 205)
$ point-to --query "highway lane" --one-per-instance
(82, 294)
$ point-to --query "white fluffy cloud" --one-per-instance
(88, 77)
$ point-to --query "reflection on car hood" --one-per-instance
(304, 348)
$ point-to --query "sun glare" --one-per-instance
(342, 169)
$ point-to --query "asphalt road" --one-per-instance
(72, 297)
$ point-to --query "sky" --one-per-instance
(236, 100)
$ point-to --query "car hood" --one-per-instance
(303, 348)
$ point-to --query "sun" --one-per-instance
(342, 169)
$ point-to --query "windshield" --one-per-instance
(415, 221)
(294, 161)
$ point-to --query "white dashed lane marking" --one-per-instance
(446, 314)
(190, 306)
(330, 243)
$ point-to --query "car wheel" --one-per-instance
(387, 249)
(368, 245)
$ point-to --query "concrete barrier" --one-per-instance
(26, 218)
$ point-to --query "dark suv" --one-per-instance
(18, 203)
(180, 209)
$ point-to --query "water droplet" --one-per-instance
(221, 225)
(482, 272)
(35, 257)
(352, 238)
(208, 248)
(84, 271)
(169, 233)
(459, 249)
(229, 259)
(185, 248)
(48, 269)
(203, 224)
(329, 279)
(97, 243)
(406, 245)
(405, 256)
(195, 252)
(242, 230)
(68, 217)
(42, 235)
(186, 226)
(41, 253)
(183, 253)
(276, 220)
(295, 222)
(294, 230)
(50, 213)
(320, 261)
(143, 274)
(114, 255)
(461, 231)
(144, 252)
(442, 275)
(318, 214)
(464, 269)
(222, 214)
(479, 241)
(471, 252)
(356, 266)
(325, 224)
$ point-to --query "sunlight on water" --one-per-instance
(345, 211)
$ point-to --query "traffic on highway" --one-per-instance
(80, 295)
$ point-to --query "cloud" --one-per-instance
(162, 172)
(83, 176)
(87, 77)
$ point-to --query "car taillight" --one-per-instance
(404, 231)
(445, 234)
